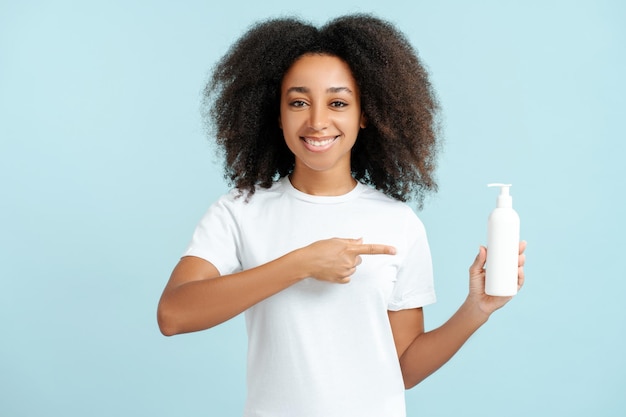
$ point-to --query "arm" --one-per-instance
(422, 353)
(197, 297)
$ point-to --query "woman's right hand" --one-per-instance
(197, 297)
(335, 260)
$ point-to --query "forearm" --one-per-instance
(202, 304)
(431, 350)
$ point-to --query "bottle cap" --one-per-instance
(504, 199)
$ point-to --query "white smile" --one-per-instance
(319, 143)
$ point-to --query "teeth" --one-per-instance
(319, 143)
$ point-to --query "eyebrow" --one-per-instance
(328, 90)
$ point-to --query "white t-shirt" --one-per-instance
(320, 349)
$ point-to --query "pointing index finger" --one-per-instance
(374, 249)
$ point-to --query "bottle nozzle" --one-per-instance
(504, 199)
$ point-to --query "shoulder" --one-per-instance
(236, 208)
(238, 200)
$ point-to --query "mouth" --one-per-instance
(319, 144)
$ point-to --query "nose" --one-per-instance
(318, 117)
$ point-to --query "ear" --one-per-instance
(363, 122)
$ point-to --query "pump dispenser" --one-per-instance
(503, 233)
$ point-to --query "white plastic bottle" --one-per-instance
(503, 233)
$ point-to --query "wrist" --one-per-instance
(298, 264)
(472, 310)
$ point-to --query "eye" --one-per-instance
(338, 104)
(297, 103)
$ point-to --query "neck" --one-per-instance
(323, 183)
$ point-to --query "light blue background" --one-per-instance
(105, 170)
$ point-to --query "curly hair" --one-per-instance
(395, 153)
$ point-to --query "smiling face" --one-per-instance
(320, 115)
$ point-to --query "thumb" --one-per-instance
(479, 261)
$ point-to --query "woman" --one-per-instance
(326, 133)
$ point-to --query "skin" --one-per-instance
(320, 115)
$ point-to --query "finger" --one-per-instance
(344, 280)
(374, 249)
(346, 277)
(479, 261)
(522, 246)
(521, 260)
(358, 261)
(520, 278)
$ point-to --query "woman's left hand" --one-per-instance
(487, 303)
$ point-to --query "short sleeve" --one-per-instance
(414, 285)
(216, 237)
